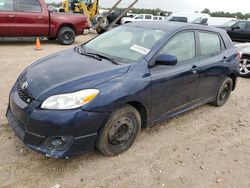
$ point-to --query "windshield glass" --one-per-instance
(125, 44)
(230, 23)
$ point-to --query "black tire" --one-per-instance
(224, 92)
(66, 36)
(245, 67)
(120, 131)
(100, 30)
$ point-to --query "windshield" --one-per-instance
(125, 44)
(230, 23)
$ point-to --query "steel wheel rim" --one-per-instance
(67, 35)
(122, 131)
(244, 66)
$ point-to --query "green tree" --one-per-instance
(206, 10)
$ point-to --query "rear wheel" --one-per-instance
(224, 92)
(245, 67)
(66, 36)
(120, 131)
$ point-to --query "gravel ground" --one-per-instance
(206, 147)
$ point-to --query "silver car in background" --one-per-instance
(245, 60)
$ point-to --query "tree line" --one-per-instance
(237, 15)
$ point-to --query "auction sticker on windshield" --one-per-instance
(140, 49)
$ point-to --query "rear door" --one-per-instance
(8, 18)
(32, 19)
(212, 64)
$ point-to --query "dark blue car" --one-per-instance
(103, 92)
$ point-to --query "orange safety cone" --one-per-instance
(38, 44)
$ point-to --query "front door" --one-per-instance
(175, 87)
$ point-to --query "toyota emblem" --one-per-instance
(24, 85)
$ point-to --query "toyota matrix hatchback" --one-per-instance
(103, 92)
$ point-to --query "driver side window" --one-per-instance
(240, 25)
(182, 46)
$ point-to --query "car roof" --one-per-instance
(172, 26)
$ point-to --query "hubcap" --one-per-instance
(245, 66)
(121, 131)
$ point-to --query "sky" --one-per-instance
(184, 5)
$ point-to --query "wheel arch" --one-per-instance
(142, 110)
(246, 55)
(66, 25)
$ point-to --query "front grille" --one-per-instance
(24, 95)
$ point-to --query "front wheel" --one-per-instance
(224, 92)
(245, 67)
(66, 36)
(120, 131)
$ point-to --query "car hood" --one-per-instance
(244, 47)
(67, 71)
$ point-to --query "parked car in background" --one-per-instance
(159, 18)
(178, 19)
(245, 60)
(31, 18)
(238, 30)
(139, 17)
(214, 21)
(103, 92)
(186, 16)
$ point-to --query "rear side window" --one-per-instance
(209, 43)
(28, 6)
(6, 5)
(182, 46)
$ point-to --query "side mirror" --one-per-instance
(235, 27)
(168, 60)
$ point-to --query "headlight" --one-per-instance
(70, 100)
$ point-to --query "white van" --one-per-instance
(186, 16)
(214, 21)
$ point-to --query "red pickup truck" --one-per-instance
(31, 18)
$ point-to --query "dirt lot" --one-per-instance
(207, 147)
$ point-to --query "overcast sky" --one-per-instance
(185, 5)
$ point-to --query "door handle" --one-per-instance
(11, 16)
(195, 69)
(39, 17)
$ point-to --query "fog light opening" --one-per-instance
(58, 142)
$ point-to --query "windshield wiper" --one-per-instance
(82, 51)
(105, 57)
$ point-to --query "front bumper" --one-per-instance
(34, 126)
